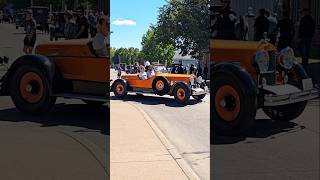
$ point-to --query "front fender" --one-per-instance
(39, 61)
(239, 72)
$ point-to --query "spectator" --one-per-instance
(242, 29)
(100, 41)
(261, 25)
(180, 69)
(272, 25)
(205, 72)
(306, 33)
(226, 22)
(92, 23)
(83, 32)
(31, 33)
(191, 69)
(286, 28)
(199, 71)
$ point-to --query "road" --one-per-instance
(68, 116)
(187, 127)
(274, 150)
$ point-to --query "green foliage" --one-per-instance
(126, 55)
(154, 52)
(184, 24)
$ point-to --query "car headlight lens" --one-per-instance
(262, 59)
(286, 58)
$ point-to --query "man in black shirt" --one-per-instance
(306, 33)
(261, 25)
(287, 31)
(84, 26)
(225, 25)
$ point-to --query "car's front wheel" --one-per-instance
(181, 93)
(119, 89)
(233, 109)
(30, 90)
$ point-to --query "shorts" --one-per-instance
(29, 42)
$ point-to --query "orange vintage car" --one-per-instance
(69, 69)
(246, 76)
(181, 86)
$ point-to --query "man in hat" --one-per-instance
(31, 33)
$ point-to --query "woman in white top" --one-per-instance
(142, 74)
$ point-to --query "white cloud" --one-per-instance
(124, 22)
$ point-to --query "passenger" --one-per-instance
(150, 72)
(101, 40)
(142, 74)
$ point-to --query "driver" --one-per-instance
(101, 40)
(150, 72)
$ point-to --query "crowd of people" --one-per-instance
(74, 25)
(197, 71)
(280, 30)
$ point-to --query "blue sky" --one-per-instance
(130, 19)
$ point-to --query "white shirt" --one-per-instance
(99, 44)
(150, 74)
(143, 75)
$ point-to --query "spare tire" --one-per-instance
(160, 86)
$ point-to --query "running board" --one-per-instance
(83, 97)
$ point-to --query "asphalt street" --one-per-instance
(68, 116)
(273, 150)
(186, 127)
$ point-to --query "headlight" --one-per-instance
(286, 58)
(262, 59)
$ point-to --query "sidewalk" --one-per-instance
(44, 154)
(136, 151)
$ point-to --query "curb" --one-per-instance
(185, 167)
(95, 151)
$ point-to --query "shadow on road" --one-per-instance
(262, 129)
(95, 118)
(153, 100)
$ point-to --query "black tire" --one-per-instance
(199, 97)
(291, 111)
(119, 89)
(236, 111)
(45, 102)
(182, 93)
(160, 86)
(94, 103)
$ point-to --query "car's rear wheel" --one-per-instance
(30, 90)
(233, 110)
(119, 89)
(181, 93)
(160, 86)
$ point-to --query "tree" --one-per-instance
(185, 24)
(154, 52)
(125, 55)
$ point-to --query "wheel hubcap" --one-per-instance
(227, 103)
(31, 87)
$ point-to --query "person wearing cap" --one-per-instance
(101, 40)
(31, 33)
(226, 21)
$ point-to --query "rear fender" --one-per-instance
(39, 61)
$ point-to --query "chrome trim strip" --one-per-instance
(278, 100)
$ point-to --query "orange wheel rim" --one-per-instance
(181, 94)
(119, 89)
(159, 85)
(227, 103)
(31, 87)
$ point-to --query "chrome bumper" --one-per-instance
(198, 91)
(278, 100)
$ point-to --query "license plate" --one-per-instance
(307, 84)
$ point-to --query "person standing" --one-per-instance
(180, 69)
(242, 29)
(191, 69)
(286, 29)
(31, 33)
(261, 25)
(205, 72)
(84, 26)
(199, 71)
(306, 33)
(226, 21)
